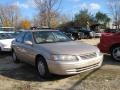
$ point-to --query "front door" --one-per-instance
(28, 49)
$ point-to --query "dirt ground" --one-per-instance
(24, 77)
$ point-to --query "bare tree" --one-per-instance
(2, 14)
(63, 19)
(114, 6)
(9, 15)
(47, 10)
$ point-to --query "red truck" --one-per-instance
(110, 43)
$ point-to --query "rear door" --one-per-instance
(18, 45)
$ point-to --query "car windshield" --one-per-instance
(7, 35)
(50, 37)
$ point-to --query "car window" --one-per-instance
(28, 37)
(42, 37)
(7, 35)
(59, 36)
(17, 33)
(20, 37)
(50, 37)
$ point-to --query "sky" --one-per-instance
(68, 7)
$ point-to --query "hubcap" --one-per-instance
(41, 68)
(116, 53)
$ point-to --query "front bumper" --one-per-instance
(98, 35)
(5, 49)
(69, 68)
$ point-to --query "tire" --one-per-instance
(79, 38)
(85, 37)
(74, 38)
(115, 53)
(82, 35)
(14, 58)
(42, 68)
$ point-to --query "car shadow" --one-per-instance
(23, 71)
(4, 54)
(108, 60)
(28, 73)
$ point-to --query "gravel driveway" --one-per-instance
(24, 77)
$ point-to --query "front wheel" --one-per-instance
(14, 58)
(115, 53)
(42, 68)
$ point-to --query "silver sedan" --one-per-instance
(53, 52)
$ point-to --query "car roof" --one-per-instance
(38, 30)
(6, 31)
(7, 27)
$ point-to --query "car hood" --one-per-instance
(72, 48)
(6, 41)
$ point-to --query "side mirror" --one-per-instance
(28, 43)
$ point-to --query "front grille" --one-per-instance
(88, 56)
(87, 67)
(82, 69)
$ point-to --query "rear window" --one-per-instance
(7, 35)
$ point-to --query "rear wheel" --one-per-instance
(14, 58)
(42, 68)
(115, 53)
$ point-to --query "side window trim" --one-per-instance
(33, 40)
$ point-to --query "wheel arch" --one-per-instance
(12, 49)
(36, 58)
(114, 45)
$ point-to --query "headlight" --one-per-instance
(99, 53)
(2, 44)
(64, 57)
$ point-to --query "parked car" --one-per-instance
(98, 34)
(69, 35)
(73, 34)
(111, 30)
(6, 39)
(7, 28)
(87, 33)
(110, 43)
(53, 52)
